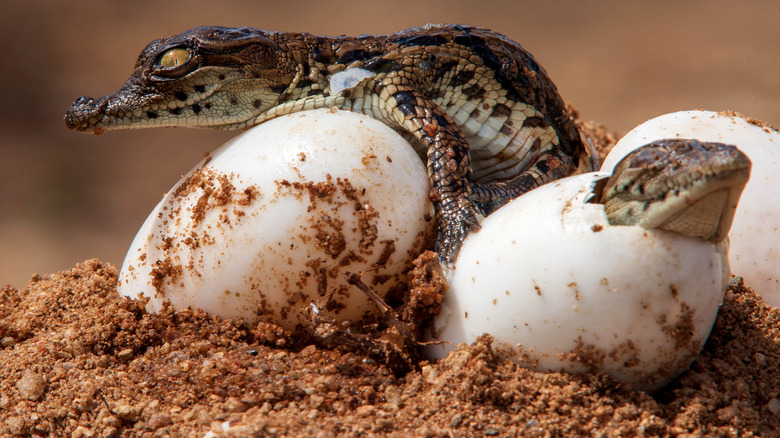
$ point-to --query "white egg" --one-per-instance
(755, 232)
(268, 225)
(561, 289)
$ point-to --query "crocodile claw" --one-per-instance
(454, 228)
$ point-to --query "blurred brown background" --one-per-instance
(66, 197)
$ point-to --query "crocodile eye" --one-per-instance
(174, 58)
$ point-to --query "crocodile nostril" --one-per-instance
(84, 103)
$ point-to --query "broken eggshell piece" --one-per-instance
(269, 225)
(559, 288)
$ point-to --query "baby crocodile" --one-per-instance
(475, 105)
(681, 185)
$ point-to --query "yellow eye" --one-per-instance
(174, 58)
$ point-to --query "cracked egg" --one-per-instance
(755, 236)
(269, 225)
(559, 288)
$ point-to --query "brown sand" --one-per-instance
(77, 360)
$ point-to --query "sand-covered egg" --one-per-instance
(559, 288)
(755, 233)
(267, 227)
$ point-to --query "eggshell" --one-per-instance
(561, 289)
(267, 227)
(755, 232)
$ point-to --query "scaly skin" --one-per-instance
(679, 185)
(475, 105)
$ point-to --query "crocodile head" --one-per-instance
(679, 185)
(207, 76)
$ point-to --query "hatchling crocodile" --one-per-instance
(476, 106)
(481, 112)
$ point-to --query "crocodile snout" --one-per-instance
(85, 114)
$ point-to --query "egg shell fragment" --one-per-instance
(561, 289)
(755, 233)
(268, 226)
